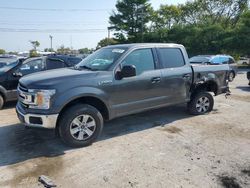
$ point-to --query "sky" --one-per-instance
(76, 23)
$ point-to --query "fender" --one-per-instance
(62, 99)
(205, 77)
(206, 80)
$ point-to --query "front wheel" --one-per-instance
(80, 125)
(201, 103)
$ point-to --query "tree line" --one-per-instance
(203, 26)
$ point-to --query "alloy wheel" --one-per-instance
(202, 104)
(82, 127)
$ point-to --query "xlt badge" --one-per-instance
(105, 82)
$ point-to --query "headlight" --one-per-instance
(42, 98)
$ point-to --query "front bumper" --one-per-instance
(37, 120)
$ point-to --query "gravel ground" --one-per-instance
(160, 148)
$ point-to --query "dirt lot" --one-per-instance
(161, 148)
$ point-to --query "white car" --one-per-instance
(243, 61)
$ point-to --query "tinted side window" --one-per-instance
(73, 61)
(142, 59)
(224, 60)
(171, 57)
(32, 66)
(54, 64)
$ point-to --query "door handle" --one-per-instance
(156, 80)
(187, 76)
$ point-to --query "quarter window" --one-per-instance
(171, 57)
(142, 59)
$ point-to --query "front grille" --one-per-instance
(22, 88)
(24, 105)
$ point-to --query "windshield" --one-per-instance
(7, 63)
(101, 59)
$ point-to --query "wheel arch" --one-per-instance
(209, 86)
(90, 100)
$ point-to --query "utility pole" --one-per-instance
(71, 47)
(51, 38)
(142, 14)
(108, 33)
(109, 29)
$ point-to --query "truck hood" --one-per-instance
(48, 79)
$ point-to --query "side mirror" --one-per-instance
(17, 74)
(127, 71)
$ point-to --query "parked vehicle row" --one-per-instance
(116, 81)
(216, 60)
(13, 68)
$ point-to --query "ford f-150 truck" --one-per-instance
(116, 81)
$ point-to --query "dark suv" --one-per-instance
(13, 68)
(216, 60)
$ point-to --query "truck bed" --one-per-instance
(212, 73)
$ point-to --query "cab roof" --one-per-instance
(151, 45)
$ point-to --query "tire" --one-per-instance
(231, 76)
(1, 102)
(201, 103)
(80, 125)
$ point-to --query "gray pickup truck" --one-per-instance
(116, 81)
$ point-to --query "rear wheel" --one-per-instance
(201, 103)
(80, 125)
(1, 101)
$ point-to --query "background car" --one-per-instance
(200, 59)
(13, 68)
(243, 61)
(216, 60)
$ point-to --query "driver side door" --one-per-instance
(140, 92)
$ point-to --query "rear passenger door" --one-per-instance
(176, 75)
